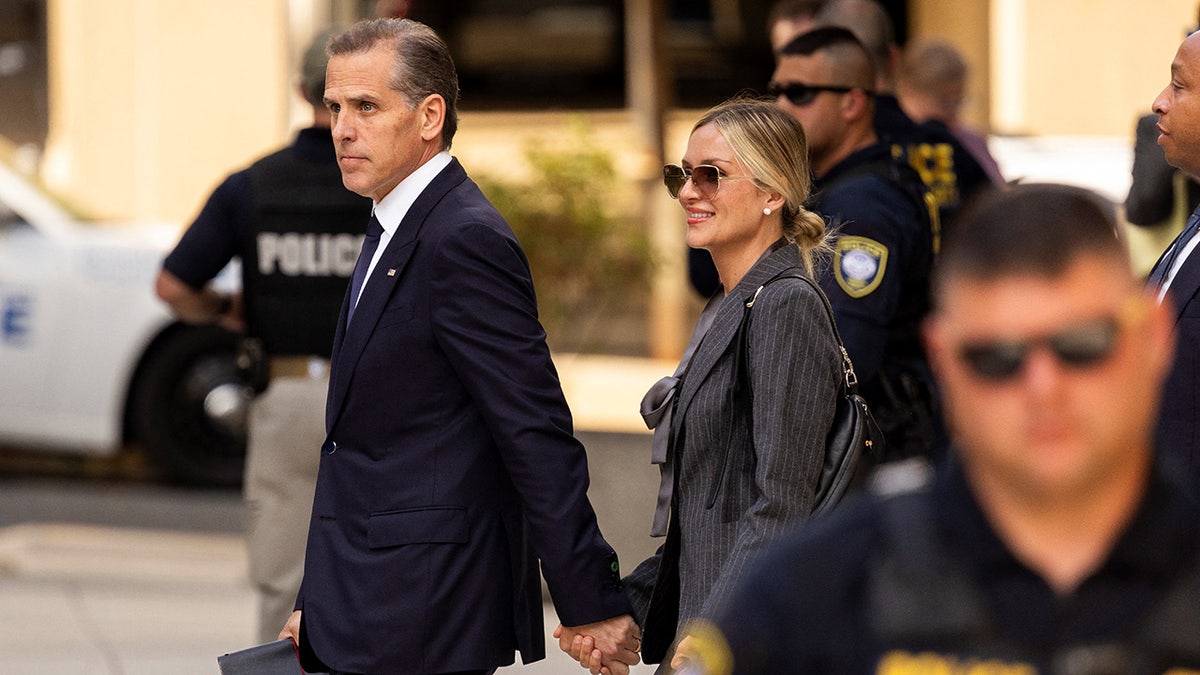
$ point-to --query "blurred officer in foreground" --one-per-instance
(1052, 543)
(297, 230)
(886, 227)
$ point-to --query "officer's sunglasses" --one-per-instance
(801, 94)
(706, 178)
(1084, 345)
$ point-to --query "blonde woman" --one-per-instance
(739, 469)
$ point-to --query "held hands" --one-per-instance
(606, 647)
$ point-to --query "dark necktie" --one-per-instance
(656, 409)
(1159, 276)
(370, 244)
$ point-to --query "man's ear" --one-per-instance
(432, 113)
(855, 104)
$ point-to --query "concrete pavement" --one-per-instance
(94, 592)
(87, 599)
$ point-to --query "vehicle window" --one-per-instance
(570, 54)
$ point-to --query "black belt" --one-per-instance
(297, 366)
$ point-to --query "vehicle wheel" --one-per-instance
(189, 406)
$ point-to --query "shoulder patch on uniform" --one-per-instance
(859, 264)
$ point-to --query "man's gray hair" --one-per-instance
(422, 64)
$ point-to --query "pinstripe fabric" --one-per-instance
(795, 371)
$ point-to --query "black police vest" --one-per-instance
(928, 614)
(300, 253)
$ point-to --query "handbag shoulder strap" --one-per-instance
(742, 394)
(850, 379)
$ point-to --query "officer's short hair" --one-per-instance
(422, 64)
(312, 68)
(937, 69)
(1033, 229)
(846, 53)
(817, 39)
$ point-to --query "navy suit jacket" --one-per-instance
(1178, 435)
(450, 469)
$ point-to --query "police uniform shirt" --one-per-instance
(1186, 243)
(804, 609)
(881, 262)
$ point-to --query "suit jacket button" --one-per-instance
(330, 447)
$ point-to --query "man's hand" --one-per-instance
(291, 630)
(200, 306)
(608, 646)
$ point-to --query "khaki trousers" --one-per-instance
(286, 429)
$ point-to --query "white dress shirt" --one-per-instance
(392, 208)
(1177, 263)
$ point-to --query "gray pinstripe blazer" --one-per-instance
(795, 372)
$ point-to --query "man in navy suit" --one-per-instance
(449, 470)
(1177, 272)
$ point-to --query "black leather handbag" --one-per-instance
(854, 444)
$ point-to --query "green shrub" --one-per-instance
(591, 266)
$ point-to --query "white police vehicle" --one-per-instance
(91, 360)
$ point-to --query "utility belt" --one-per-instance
(258, 369)
(297, 366)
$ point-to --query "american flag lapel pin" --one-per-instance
(391, 271)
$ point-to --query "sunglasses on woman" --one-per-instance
(706, 178)
(1081, 346)
(801, 94)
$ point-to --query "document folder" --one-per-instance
(273, 658)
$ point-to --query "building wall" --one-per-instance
(152, 102)
(1053, 67)
(964, 24)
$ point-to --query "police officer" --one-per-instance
(887, 231)
(951, 172)
(298, 231)
(1051, 543)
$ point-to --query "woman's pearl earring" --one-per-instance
(767, 211)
